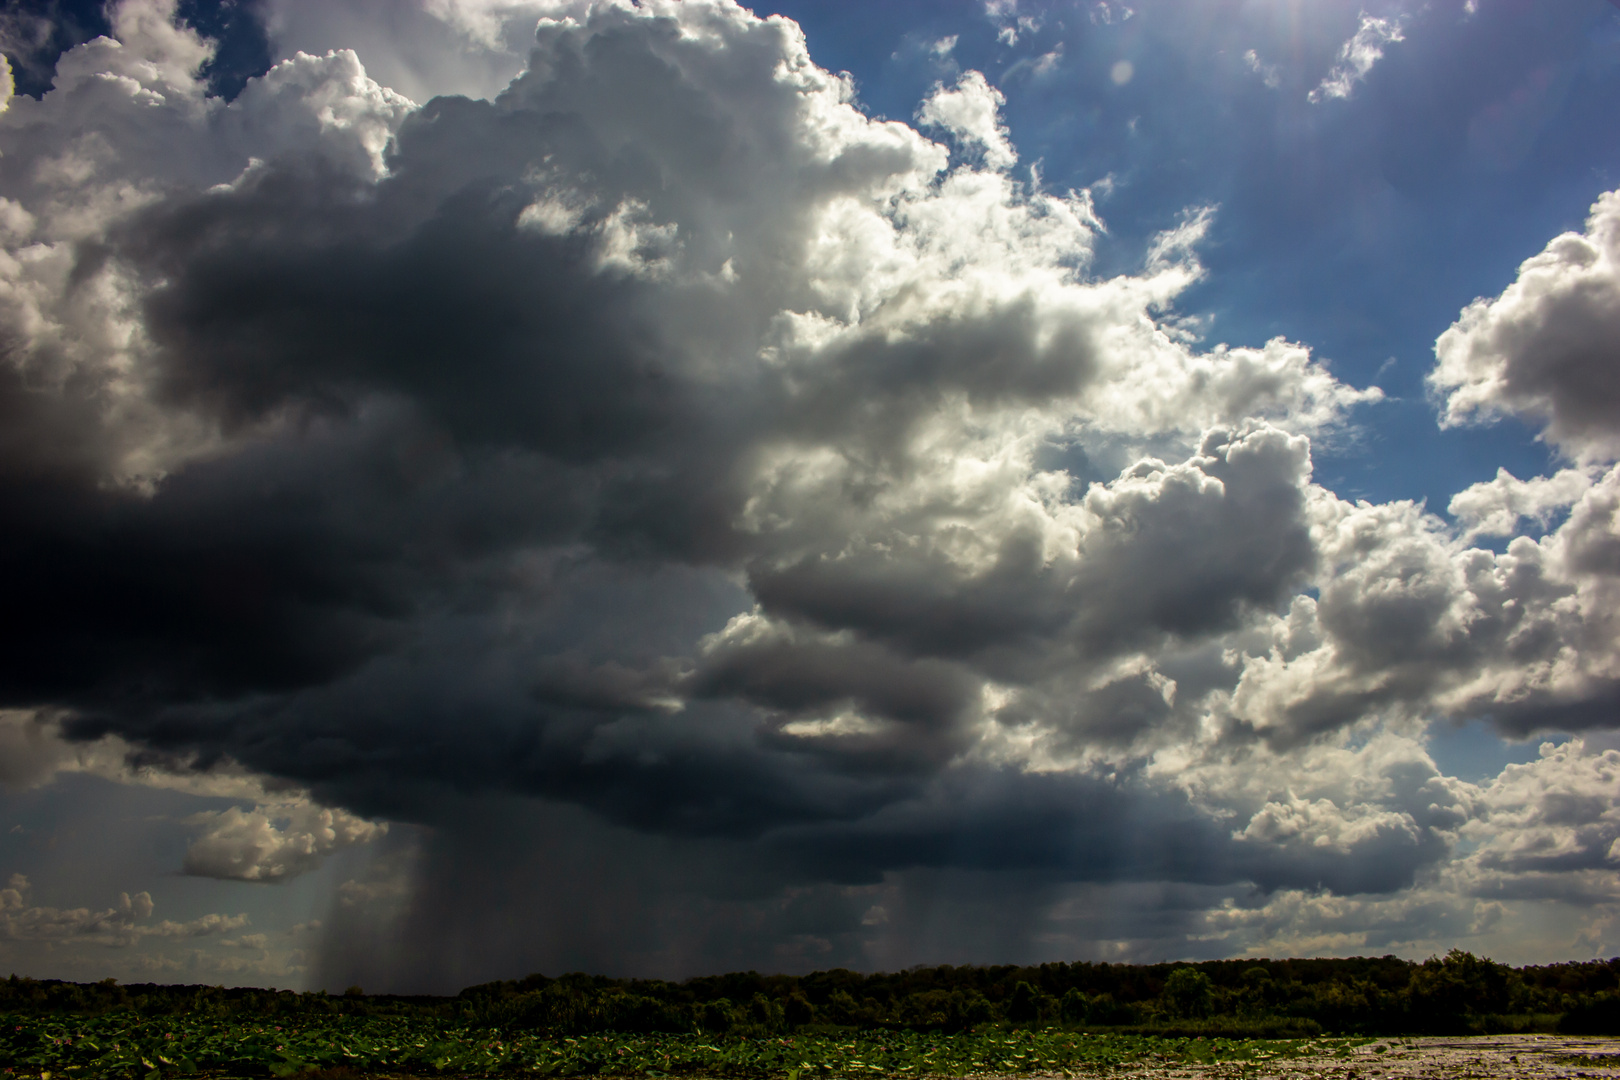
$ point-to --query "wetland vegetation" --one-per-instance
(939, 1021)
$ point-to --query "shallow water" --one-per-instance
(1493, 1057)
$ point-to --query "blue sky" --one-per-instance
(483, 457)
(1360, 226)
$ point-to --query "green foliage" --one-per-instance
(797, 1011)
(1456, 994)
(1597, 1015)
(1445, 994)
(1189, 992)
(123, 1044)
(1024, 1007)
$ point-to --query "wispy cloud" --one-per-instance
(1269, 73)
(1013, 25)
(1357, 57)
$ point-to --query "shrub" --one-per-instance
(1596, 1015)
(1445, 994)
(797, 1010)
(1024, 1007)
(1189, 993)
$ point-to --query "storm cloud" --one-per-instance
(687, 501)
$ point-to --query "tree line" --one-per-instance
(1455, 994)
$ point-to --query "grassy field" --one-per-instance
(121, 1045)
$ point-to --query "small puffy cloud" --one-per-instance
(1546, 349)
(971, 111)
(120, 926)
(1357, 57)
(274, 842)
(1298, 922)
(1495, 507)
(204, 926)
(322, 104)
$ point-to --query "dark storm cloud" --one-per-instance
(520, 885)
(302, 287)
(637, 472)
(275, 296)
(280, 567)
(917, 709)
(1065, 828)
(968, 874)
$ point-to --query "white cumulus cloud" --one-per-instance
(971, 110)
(273, 842)
(1547, 348)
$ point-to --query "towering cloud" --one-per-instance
(668, 483)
